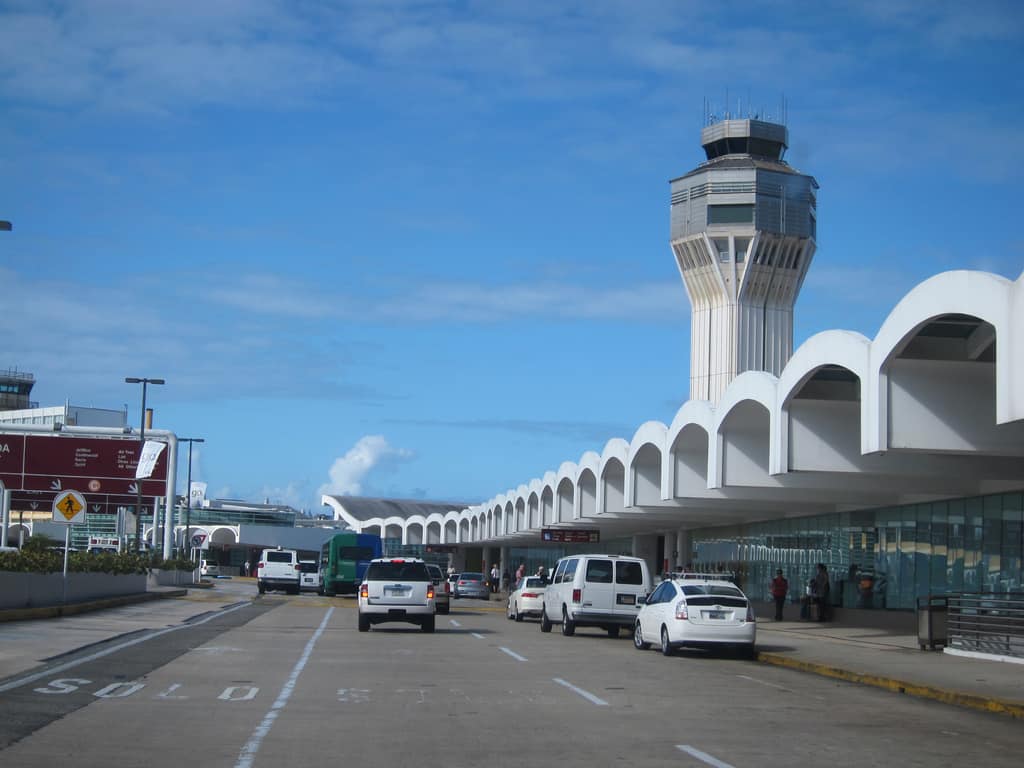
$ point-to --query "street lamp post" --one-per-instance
(142, 443)
(187, 539)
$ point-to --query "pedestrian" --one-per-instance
(520, 572)
(779, 589)
(495, 575)
(245, 568)
(542, 573)
(821, 592)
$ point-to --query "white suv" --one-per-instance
(603, 591)
(397, 589)
(278, 569)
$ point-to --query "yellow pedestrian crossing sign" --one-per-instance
(69, 507)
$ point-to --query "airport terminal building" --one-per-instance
(897, 461)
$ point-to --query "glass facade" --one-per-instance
(882, 558)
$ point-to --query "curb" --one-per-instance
(968, 700)
(70, 609)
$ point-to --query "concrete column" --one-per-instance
(682, 549)
(646, 547)
(5, 502)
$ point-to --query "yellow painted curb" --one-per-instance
(971, 701)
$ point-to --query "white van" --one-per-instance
(603, 591)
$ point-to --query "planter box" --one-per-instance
(33, 590)
(161, 578)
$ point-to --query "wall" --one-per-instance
(30, 590)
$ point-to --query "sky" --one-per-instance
(419, 249)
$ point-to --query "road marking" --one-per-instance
(763, 682)
(454, 623)
(702, 756)
(477, 635)
(252, 747)
(585, 694)
(113, 649)
(513, 654)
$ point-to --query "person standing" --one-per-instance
(520, 572)
(780, 587)
(821, 592)
(495, 575)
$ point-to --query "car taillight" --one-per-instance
(681, 611)
(531, 594)
(430, 592)
(750, 613)
(364, 590)
(577, 595)
(259, 565)
(462, 583)
(447, 588)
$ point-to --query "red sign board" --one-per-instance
(95, 503)
(569, 536)
(91, 465)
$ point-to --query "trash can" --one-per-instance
(931, 621)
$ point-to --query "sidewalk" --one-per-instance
(893, 661)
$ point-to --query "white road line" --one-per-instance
(113, 649)
(585, 694)
(454, 623)
(477, 635)
(513, 654)
(248, 753)
(763, 682)
(702, 756)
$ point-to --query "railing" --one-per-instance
(987, 623)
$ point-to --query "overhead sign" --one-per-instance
(58, 462)
(69, 507)
(95, 503)
(569, 536)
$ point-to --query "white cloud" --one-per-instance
(349, 472)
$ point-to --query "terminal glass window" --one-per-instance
(730, 214)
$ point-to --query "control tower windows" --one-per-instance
(730, 214)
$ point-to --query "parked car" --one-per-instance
(697, 610)
(309, 575)
(603, 591)
(397, 589)
(527, 598)
(208, 568)
(278, 569)
(470, 584)
(442, 589)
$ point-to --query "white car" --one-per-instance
(696, 610)
(309, 575)
(397, 589)
(603, 591)
(527, 599)
(208, 568)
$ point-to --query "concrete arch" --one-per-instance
(463, 531)
(646, 478)
(586, 485)
(414, 532)
(982, 295)
(688, 446)
(223, 535)
(434, 531)
(742, 438)
(611, 490)
(394, 528)
(533, 510)
(450, 532)
(565, 492)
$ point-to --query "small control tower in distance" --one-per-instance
(743, 235)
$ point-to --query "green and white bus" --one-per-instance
(344, 559)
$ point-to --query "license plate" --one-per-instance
(395, 591)
(625, 599)
(717, 615)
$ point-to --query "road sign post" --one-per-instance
(68, 509)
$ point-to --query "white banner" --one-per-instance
(197, 494)
(147, 462)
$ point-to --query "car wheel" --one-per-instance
(545, 622)
(568, 625)
(261, 587)
(613, 632)
(364, 623)
(428, 625)
(638, 639)
(519, 616)
(446, 610)
(666, 647)
(508, 610)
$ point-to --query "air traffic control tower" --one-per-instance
(743, 235)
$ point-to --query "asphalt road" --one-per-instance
(286, 681)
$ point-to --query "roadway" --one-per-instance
(278, 680)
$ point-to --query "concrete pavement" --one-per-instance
(885, 658)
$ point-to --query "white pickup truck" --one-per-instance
(278, 569)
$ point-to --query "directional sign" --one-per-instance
(98, 464)
(69, 507)
(570, 536)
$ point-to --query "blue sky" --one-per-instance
(420, 249)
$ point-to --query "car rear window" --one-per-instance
(279, 557)
(535, 581)
(599, 571)
(471, 576)
(629, 573)
(307, 567)
(397, 572)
